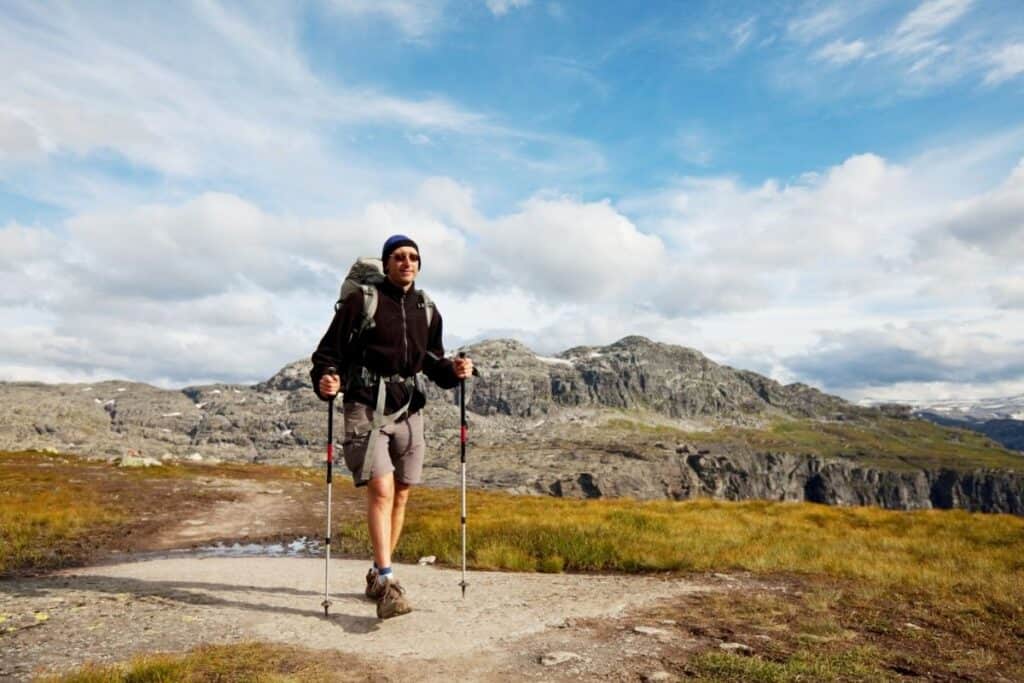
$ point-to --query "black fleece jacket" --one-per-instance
(398, 344)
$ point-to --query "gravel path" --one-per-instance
(501, 630)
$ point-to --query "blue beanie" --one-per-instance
(394, 242)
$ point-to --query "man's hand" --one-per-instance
(329, 385)
(463, 368)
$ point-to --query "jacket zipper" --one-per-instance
(405, 335)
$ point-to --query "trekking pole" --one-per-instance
(463, 437)
(330, 461)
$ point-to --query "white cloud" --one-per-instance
(750, 274)
(237, 104)
(1006, 63)
(561, 249)
(742, 33)
(415, 18)
(862, 208)
(924, 47)
(994, 221)
(806, 28)
(917, 32)
(969, 351)
(1008, 291)
(19, 140)
(932, 45)
(29, 262)
(452, 202)
(841, 52)
(501, 7)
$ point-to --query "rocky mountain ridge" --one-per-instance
(536, 425)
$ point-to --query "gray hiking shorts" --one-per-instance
(399, 447)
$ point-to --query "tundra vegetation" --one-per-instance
(867, 594)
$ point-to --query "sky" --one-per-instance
(824, 192)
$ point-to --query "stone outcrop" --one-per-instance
(535, 425)
(660, 472)
(632, 373)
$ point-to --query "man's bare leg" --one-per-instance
(398, 512)
(380, 505)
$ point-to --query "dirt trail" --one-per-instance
(506, 623)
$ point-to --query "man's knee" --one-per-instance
(402, 493)
(381, 490)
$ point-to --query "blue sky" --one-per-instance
(821, 191)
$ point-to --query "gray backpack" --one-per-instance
(365, 274)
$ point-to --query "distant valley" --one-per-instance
(1000, 419)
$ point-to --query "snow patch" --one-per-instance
(553, 361)
(171, 415)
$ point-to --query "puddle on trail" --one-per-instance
(300, 547)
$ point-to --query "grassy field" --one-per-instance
(44, 522)
(853, 577)
(58, 511)
(953, 554)
(884, 443)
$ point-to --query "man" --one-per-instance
(404, 340)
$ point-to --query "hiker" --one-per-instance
(381, 360)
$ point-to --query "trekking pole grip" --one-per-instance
(331, 370)
(464, 431)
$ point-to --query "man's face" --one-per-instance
(403, 265)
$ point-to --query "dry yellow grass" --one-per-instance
(242, 662)
(43, 518)
(979, 557)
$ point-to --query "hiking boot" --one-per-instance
(374, 588)
(392, 602)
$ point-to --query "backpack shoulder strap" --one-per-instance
(370, 299)
(428, 307)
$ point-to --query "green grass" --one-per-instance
(884, 443)
(859, 664)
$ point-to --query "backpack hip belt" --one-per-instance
(381, 420)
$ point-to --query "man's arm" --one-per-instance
(336, 343)
(439, 369)
(443, 371)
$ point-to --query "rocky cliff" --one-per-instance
(635, 372)
(539, 426)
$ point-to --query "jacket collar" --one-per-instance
(393, 290)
